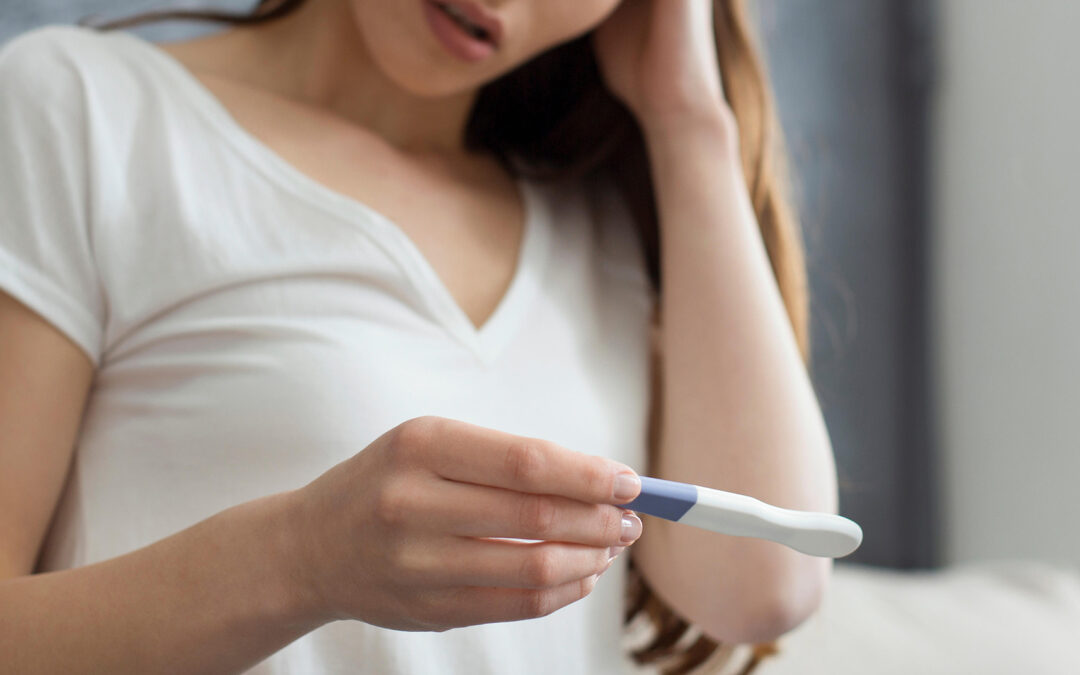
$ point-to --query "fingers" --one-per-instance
(466, 606)
(482, 511)
(509, 604)
(507, 564)
(470, 453)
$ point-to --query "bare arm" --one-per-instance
(738, 412)
(214, 598)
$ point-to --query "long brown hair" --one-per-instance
(555, 115)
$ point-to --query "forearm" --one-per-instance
(739, 411)
(216, 597)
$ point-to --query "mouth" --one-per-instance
(472, 19)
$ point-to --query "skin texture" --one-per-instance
(737, 410)
(734, 405)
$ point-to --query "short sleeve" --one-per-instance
(46, 252)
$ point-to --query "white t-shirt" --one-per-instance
(252, 328)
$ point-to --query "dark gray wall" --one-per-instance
(850, 78)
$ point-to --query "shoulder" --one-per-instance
(610, 212)
(37, 67)
(54, 67)
(619, 241)
(47, 60)
(43, 105)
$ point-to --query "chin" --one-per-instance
(398, 41)
(417, 72)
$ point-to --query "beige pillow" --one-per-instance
(997, 617)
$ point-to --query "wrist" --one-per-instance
(678, 152)
(296, 592)
(714, 127)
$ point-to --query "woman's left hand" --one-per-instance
(659, 58)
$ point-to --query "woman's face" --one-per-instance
(403, 38)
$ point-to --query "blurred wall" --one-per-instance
(1007, 277)
(851, 82)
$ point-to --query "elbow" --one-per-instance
(765, 616)
(783, 613)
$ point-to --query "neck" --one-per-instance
(317, 55)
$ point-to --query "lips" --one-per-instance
(476, 20)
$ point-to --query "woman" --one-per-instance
(231, 264)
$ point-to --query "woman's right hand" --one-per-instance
(400, 534)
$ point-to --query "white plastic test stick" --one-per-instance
(814, 533)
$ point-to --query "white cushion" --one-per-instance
(1007, 616)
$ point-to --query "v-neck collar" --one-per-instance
(487, 341)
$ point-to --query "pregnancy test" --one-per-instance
(822, 534)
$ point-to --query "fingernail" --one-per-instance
(613, 553)
(627, 486)
(631, 528)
